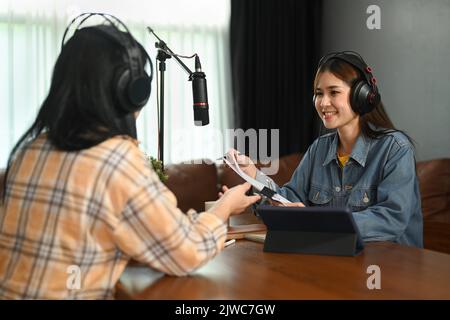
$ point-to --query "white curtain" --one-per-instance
(30, 38)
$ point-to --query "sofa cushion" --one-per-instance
(434, 180)
(193, 184)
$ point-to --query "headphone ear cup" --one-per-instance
(122, 80)
(359, 98)
(139, 90)
(374, 100)
(132, 95)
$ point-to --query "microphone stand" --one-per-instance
(164, 53)
(161, 57)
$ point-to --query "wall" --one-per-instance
(410, 57)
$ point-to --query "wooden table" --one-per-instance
(244, 271)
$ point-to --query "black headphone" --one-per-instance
(364, 95)
(132, 83)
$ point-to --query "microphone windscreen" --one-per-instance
(200, 95)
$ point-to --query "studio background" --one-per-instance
(266, 58)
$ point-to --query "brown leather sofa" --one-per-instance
(193, 184)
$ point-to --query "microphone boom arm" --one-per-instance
(163, 46)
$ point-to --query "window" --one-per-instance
(30, 38)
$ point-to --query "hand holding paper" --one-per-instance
(230, 160)
(245, 163)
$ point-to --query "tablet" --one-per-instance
(310, 230)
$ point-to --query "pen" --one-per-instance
(229, 242)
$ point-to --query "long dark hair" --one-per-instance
(378, 117)
(81, 109)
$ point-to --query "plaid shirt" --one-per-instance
(72, 216)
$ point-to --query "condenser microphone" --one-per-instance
(200, 95)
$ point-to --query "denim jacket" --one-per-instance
(379, 184)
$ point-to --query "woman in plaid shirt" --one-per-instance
(79, 192)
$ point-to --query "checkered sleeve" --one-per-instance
(154, 231)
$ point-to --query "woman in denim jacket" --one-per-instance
(365, 163)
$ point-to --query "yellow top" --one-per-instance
(343, 159)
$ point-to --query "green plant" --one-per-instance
(157, 165)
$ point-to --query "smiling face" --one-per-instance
(332, 102)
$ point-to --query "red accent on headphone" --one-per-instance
(369, 69)
(374, 80)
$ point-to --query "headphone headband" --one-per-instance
(354, 59)
(87, 15)
(133, 85)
